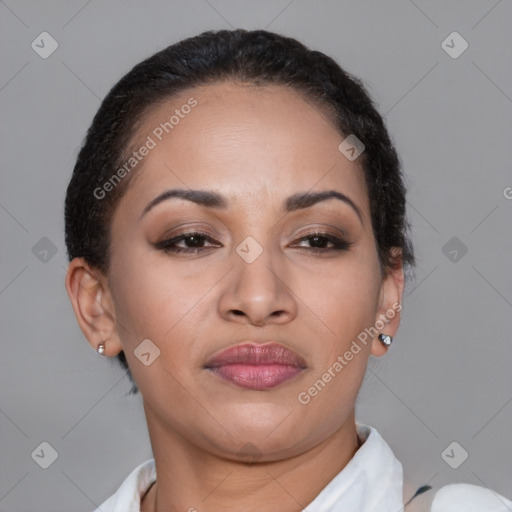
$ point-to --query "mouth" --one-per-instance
(257, 367)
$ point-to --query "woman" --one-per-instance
(236, 230)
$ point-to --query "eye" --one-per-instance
(319, 241)
(193, 240)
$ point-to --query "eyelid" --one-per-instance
(208, 230)
(214, 237)
(336, 231)
(190, 227)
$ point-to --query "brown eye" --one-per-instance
(193, 241)
(319, 241)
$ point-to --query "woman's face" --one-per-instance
(256, 273)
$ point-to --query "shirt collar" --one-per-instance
(372, 480)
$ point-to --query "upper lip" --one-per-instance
(256, 354)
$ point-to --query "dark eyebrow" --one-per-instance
(201, 197)
(214, 200)
(307, 199)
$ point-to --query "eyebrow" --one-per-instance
(216, 201)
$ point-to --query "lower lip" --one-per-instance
(257, 377)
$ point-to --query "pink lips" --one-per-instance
(257, 367)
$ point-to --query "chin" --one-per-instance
(267, 425)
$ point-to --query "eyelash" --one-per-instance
(168, 246)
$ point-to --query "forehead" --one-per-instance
(248, 142)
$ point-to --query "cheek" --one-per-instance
(148, 306)
(349, 305)
(346, 299)
(148, 299)
(348, 302)
(164, 303)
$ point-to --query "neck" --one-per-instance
(189, 479)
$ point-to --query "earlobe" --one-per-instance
(387, 321)
(93, 306)
(385, 339)
(381, 344)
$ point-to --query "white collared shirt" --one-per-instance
(372, 481)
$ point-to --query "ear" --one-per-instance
(93, 305)
(387, 320)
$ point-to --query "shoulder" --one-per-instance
(456, 498)
(470, 498)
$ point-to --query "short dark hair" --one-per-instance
(260, 58)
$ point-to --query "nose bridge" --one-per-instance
(258, 290)
(256, 265)
(258, 248)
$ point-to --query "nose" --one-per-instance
(258, 292)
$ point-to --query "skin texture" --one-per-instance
(256, 146)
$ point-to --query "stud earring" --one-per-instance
(101, 348)
(385, 339)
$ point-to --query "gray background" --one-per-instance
(447, 377)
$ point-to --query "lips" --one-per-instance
(256, 367)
